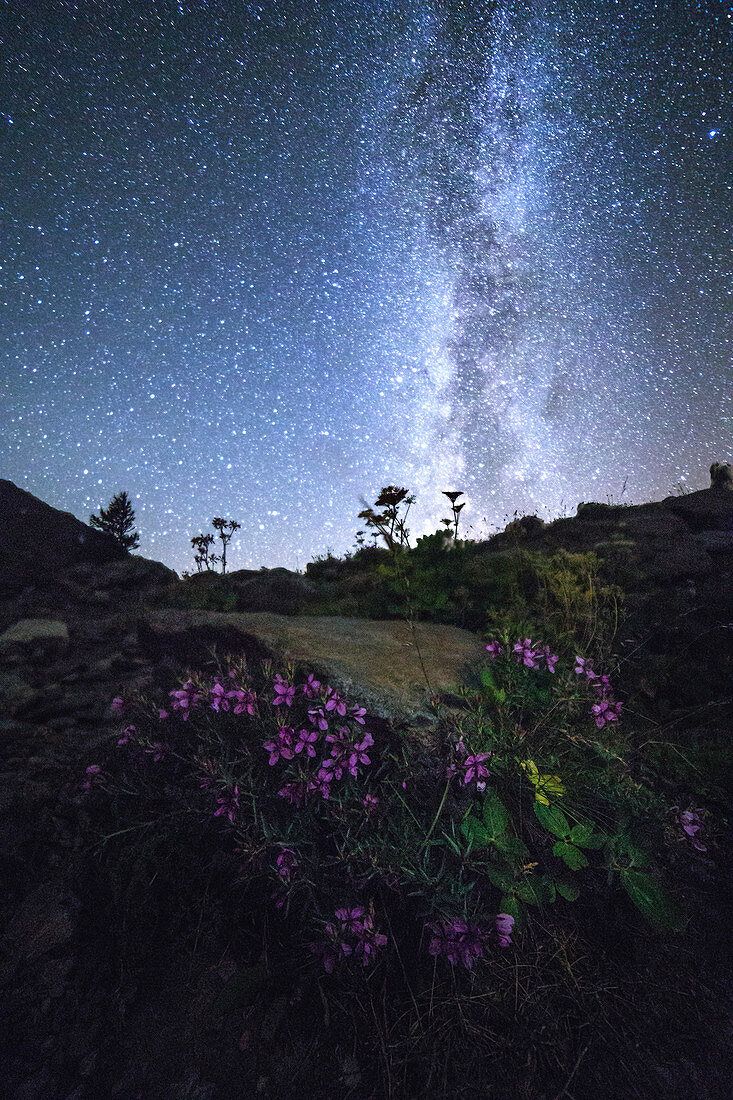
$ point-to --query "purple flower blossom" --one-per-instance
(550, 659)
(458, 941)
(318, 718)
(128, 736)
(504, 924)
(351, 920)
(370, 802)
(95, 777)
(602, 684)
(118, 705)
(185, 699)
(228, 804)
(219, 698)
(584, 667)
(284, 692)
(306, 742)
(525, 654)
(158, 750)
(281, 745)
(474, 767)
(494, 649)
(244, 701)
(331, 951)
(691, 824)
(369, 942)
(287, 864)
(311, 687)
(606, 711)
(358, 754)
(322, 783)
(357, 713)
(163, 714)
(294, 792)
(335, 702)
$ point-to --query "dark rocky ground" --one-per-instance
(70, 1033)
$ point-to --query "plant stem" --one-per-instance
(437, 816)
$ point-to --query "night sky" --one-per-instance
(260, 260)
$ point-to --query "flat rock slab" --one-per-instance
(31, 632)
(376, 662)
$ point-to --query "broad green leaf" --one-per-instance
(487, 679)
(501, 877)
(494, 813)
(554, 820)
(570, 854)
(650, 898)
(584, 837)
(475, 833)
(513, 847)
(567, 890)
(546, 786)
(534, 891)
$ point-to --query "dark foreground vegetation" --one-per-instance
(281, 894)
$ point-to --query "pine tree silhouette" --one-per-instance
(118, 520)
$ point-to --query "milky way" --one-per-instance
(260, 260)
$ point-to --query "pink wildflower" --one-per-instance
(504, 924)
(281, 745)
(357, 713)
(128, 736)
(284, 692)
(287, 864)
(318, 718)
(95, 776)
(584, 667)
(163, 714)
(306, 742)
(691, 823)
(550, 659)
(525, 654)
(335, 702)
(185, 699)
(228, 804)
(118, 705)
(294, 792)
(311, 687)
(244, 701)
(494, 649)
(606, 711)
(220, 698)
(370, 802)
(474, 767)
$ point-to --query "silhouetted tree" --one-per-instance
(203, 558)
(118, 521)
(223, 526)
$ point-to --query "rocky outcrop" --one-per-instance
(50, 560)
(393, 670)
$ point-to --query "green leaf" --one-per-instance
(475, 833)
(650, 898)
(511, 907)
(567, 890)
(570, 854)
(494, 813)
(584, 837)
(554, 820)
(500, 696)
(487, 679)
(534, 891)
(513, 847)
(501, 877)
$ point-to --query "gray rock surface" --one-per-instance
(379, 663)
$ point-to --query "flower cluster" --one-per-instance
(353, 933)
(186, 698)
(607, 709)
(690, 821)
(228, 804)
(470, 767)
(460, 941)
(95, 777)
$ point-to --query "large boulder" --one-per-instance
(384, 664)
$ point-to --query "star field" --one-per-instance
(260, 260)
